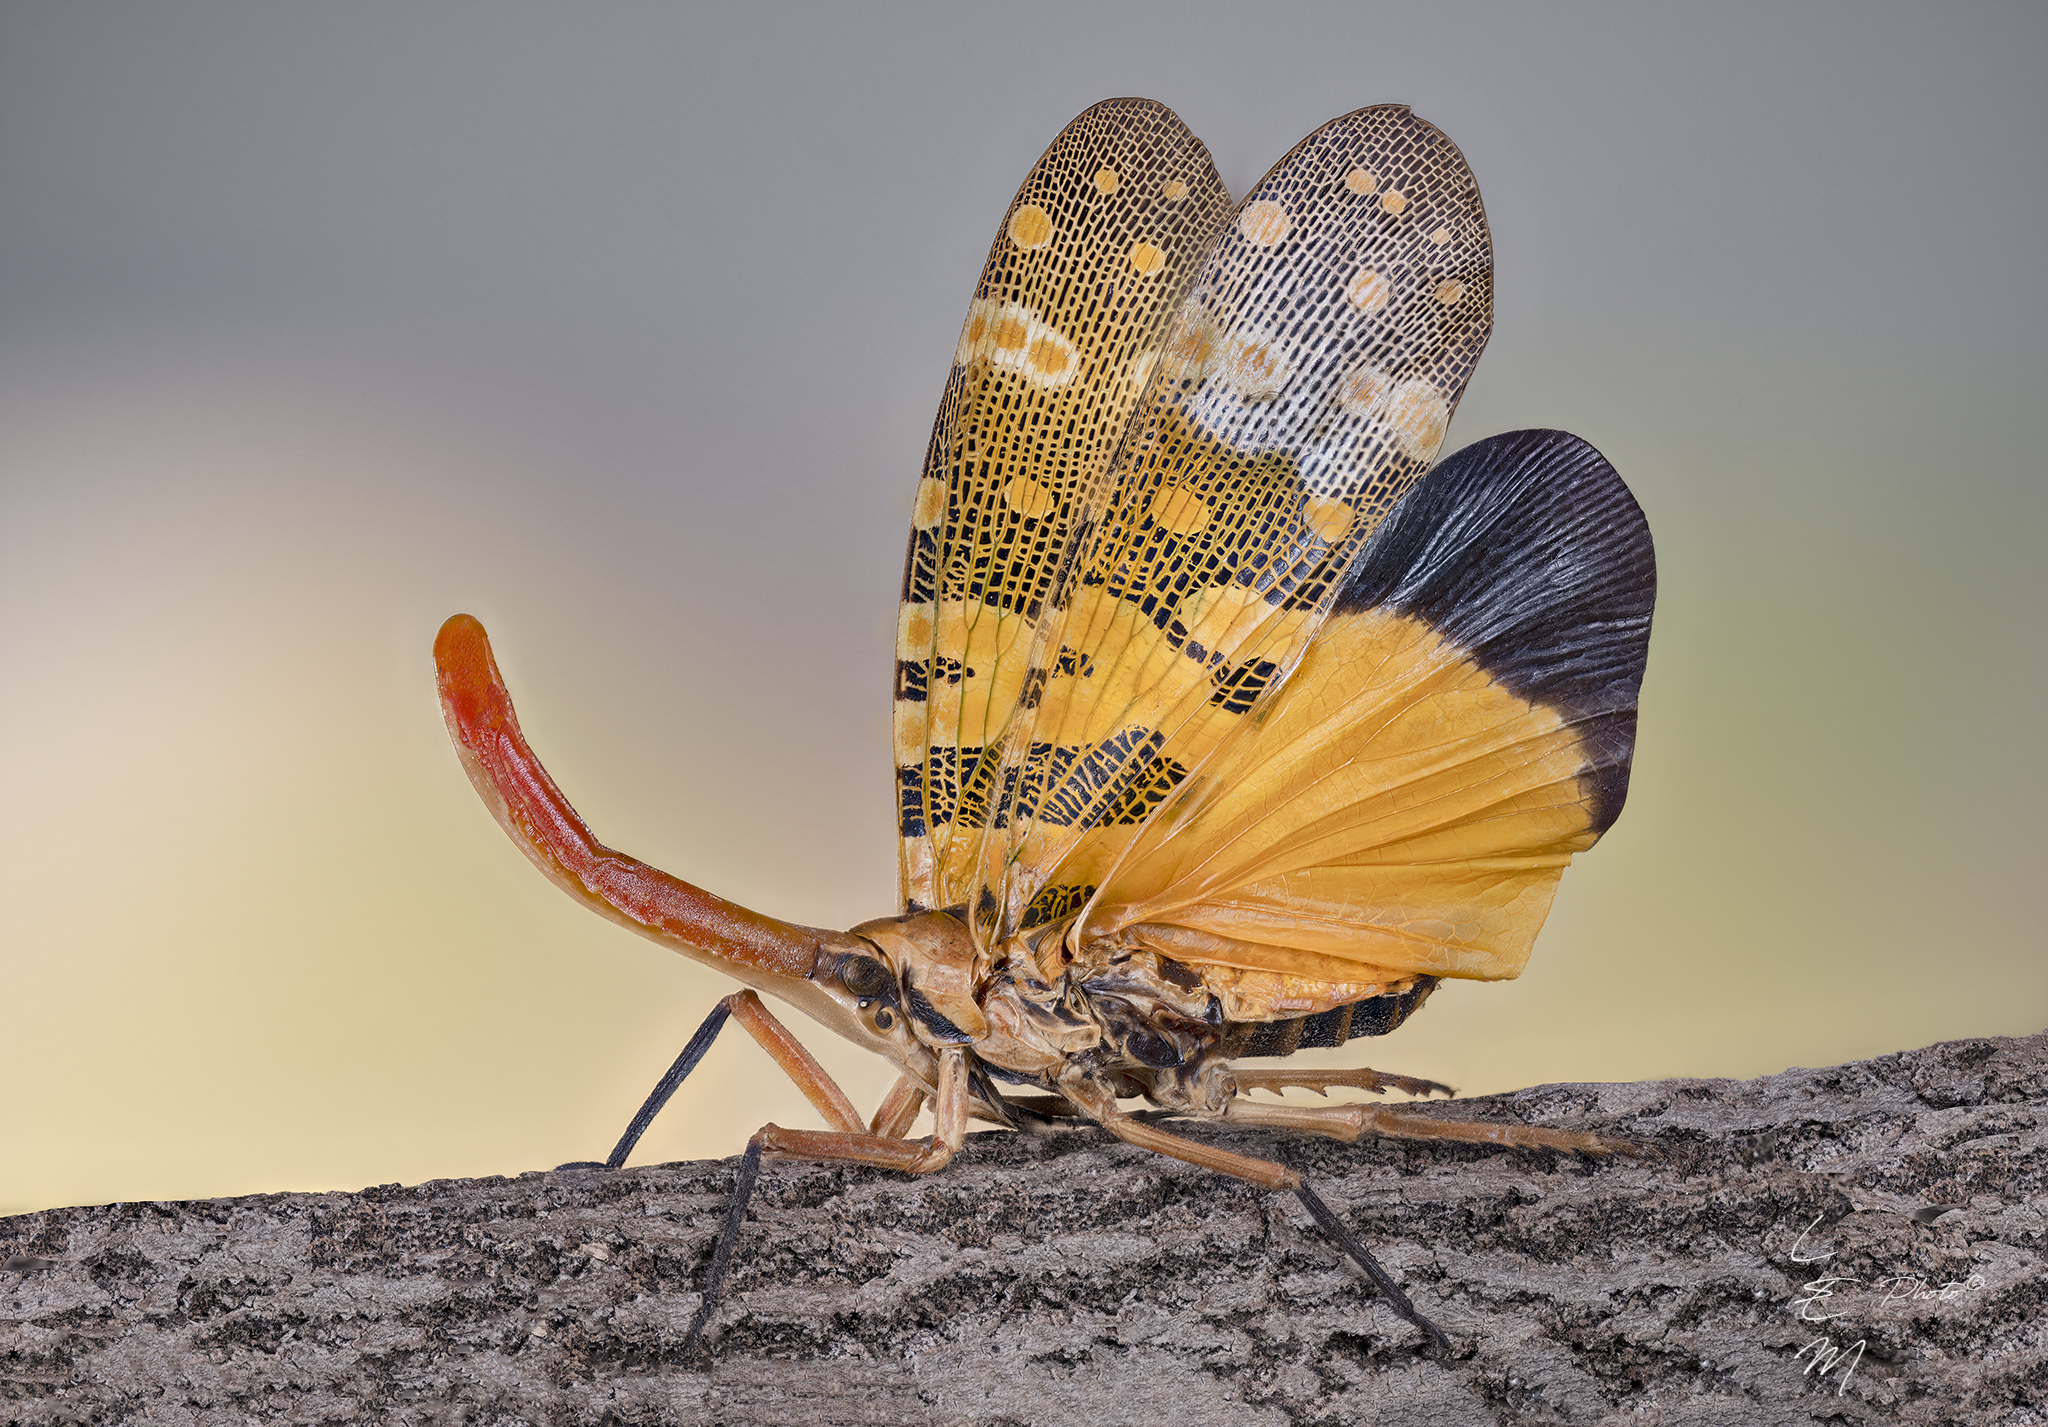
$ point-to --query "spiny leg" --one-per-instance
(1377, 1081)
(1348, 1122)
(1268, 1175)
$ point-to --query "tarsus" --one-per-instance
(1382, 1280)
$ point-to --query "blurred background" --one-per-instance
(621, 327)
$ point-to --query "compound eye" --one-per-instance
(866, 977)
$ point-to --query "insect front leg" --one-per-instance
(858, 1146)
(949, 1130)
(796, 1062)
(898, 1110)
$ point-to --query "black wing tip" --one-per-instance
(1528, 550)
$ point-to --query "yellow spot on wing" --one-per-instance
(1254, 364)
(1180, 510)
(1173, 190)
(1419, 413)
(1368, 292)
(1361, 181)
(1053, 356)
(1031, 227)
(1440, 237)
(1190, 347)
(1028, 497)
(1146, 259)
(1013, 337)
(931, 504)
(914, 632)
(1413, 413)
(1329, 519)
(1263, 223)
(1362, 391)
(1450, 292)
(1394, 200)
(908, 733)
(1106, 181)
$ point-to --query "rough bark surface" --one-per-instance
(1067, 1278)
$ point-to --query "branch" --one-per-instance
(1063, 1277)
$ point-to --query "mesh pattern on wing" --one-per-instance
(1091, 260)
(1302, 388)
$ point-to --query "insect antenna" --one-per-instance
(721, 1255)
(663, 1089)
(1335, 1227)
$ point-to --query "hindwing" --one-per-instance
(1461, 725)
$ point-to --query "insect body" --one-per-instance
(1227, 721)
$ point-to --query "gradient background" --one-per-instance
(621, 327)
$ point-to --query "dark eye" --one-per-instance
(866, 977)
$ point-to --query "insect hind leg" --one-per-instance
(1350, 1122)
(1320, 1081)
(1268, 1175)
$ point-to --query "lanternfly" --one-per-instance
(1227, 721)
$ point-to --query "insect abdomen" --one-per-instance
(1373, 1016)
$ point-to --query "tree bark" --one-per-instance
(1769, 1269)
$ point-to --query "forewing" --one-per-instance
(1461, 725)
(1091, 260)
(1303, 387)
